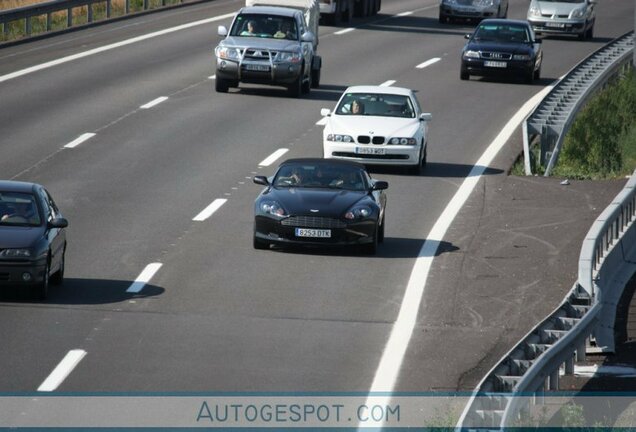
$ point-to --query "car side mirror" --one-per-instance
(325, 112)
(261, 180)
(426, 117)
(222, 30)
(308, 37)
(467, 36)
(58, 223)
(380, 185)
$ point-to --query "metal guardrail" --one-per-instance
(552, 118)
(48, 9)
(586, 315)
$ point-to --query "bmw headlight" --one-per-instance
(228, 53)
(289, 57)
(358, 212)
(578, 13)
(521, 57)
(534, 10)
(272, 207)
(402, 141)
(15, 253)
(339, 138)
(471, 54)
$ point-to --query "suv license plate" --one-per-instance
(370, 150)
(496, 64)
(256, 67)
(306, 232)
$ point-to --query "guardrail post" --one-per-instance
(554, 380)
(580, 353)
(69, 17)
(49, 20)
(569, 365)
(127, 7)
(27, 26)
(109, 8)
(89, 17)
(146, 4)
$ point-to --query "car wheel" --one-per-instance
(221, 85)
(260, 244)
(41, 290)
(296, 88)
(442, 18)
(583, 34)
(529, 78)
(371, 248)
(233, 83)
(58, 277)
(381, 229)
(424, 159)
(348, 15)
(537, 73)
(315, 78)
(306, 85)
(464, 75)
(590, 32)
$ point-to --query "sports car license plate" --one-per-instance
(555, 25)
(308, 232)
(496, 64)
(370, 150)
(256, 67)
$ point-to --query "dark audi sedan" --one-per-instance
(324, 202)
(502, 47)
(32, 238)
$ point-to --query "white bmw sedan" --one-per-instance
(377, 125)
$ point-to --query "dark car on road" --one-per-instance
(502, 47)
(32, 238)
(321, 202)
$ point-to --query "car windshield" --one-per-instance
(265, 26)
(375, 104)
(320, 175)
(18, 209)
(502, 33)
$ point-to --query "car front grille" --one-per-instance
(496, 55)
(4, 276)
(313, 222)
(366, 139)
(256, 54)
(554, 16)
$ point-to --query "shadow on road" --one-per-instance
(436, 169)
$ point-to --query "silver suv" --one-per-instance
(573, 17)
(268, 45)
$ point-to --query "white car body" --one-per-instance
(366, 138)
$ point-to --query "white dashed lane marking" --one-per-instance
(209, 210)
(144, 278)
(77, 141)
(63, 369)
(428, 63)
(272, 158)
(154, 102)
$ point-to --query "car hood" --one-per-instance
(257, 43)
(19, 237)
(558, 8)
(372, 125)
(328, 202)
(514, 48)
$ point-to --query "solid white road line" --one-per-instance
(154, 102)
(388, 83)
(212, 77)
(77, 141)
(62, 370)
(111, 46)
(343, 31)
(387, 373)
(144, 278)
(209, 210)
(428, 63)
(272, 158)
(401, 14)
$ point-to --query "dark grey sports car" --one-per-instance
(320, 202)
(32, 237)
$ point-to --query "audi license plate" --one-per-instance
(496, 64)
(308, 232)
(370, 150)
(256, 67)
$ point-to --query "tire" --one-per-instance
(260, 244)
(315, 78)
(529, 78)
(58, 277)
(464, 75)
(221, 85)
(381, 229)
(371, 248)
(590, 32)
(537, 74)
(233, 84)
(416, 169)
(424, 161)
(348, 15)
(583, 36)
(41, 290)
(442, 18)
(307, 84)
(296, 88)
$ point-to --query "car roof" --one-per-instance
(269, 10)
(16, 186)
(324, 161)
(378, 89)
(504, 21)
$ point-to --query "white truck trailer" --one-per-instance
(334, 11)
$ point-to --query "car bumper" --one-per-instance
(392, 154)
(468, 12)
(573, 27)
(283, 232)
(277, 73)
(14, 273)
(513, 67)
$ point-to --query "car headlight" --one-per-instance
(272, 207)
(471, 54)
(289, 57)
(534, 10)
(521, 57)
(402, 141)
(577, 13)
(358, 212)
(339, 138)
(227, 53)
(15, 253)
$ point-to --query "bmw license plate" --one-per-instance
(308, 232)
(256, 67)
(496, 64)
(370, 150)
